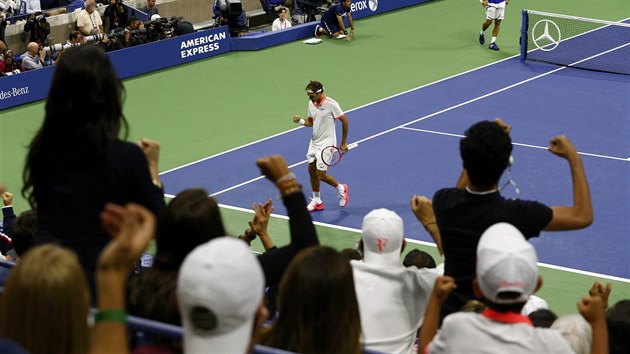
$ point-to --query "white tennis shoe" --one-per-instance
(315, 204)
(344, 196)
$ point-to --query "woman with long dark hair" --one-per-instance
(317, 305)
(77, 161)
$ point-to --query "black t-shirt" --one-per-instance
(462, 217)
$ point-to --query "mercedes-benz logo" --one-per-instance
(546, 37)
(373, 5)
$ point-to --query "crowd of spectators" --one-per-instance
(124, 31)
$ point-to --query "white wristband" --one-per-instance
(302, 121)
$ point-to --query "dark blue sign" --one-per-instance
(364, 8)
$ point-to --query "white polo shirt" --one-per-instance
(495, 333)
(392, 301)
(324, 117)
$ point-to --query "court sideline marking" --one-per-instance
(431, 244)
(518, 144)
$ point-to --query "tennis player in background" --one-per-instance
(495, 12)
(323, 113)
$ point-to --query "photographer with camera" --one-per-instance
(135, 34)
(75, 38)
(89, 20)
(117, 14)
(34, 57)
(39, 28)
(230, 13)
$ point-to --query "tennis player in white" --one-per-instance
(323, 113)
(495, 11)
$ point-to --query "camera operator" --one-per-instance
(89, 20)
(116, 40)
(117, 14)
(39, 28)
(223, 15)
(34, 57)
(75, 38)
(155, 28)
(135, 36)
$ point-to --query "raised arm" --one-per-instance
(592, 309)
(443, 287)
(580, 214)
(302, 230)
(132, 227)
(422, 208)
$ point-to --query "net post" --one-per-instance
(523, 39)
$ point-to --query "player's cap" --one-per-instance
(506, 264)
(382, 233)
(219, 288)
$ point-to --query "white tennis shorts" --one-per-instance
(495, 11)
(315, 154)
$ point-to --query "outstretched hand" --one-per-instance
(422, 208)
(262, 212)
(506, 127)
(131, 227)
(603, 291)
(561, 146)
(444, 285)
(7, 197)
(151, 149)
(273, 167)
(592, 309)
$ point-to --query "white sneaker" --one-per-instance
(315, 205)
(344, 196)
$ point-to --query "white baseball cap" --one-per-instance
(219, 288)
(506, 262)
(382, 234)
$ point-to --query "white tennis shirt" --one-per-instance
(324, 115)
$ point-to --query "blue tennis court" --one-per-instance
(409, 144)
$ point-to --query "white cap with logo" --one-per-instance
(382, 234)
(506, 262)
(219, 288)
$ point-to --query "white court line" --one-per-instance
(519, 144)
(431, 244)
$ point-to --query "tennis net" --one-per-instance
(576, 42)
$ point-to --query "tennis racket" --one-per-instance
(331, 155)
